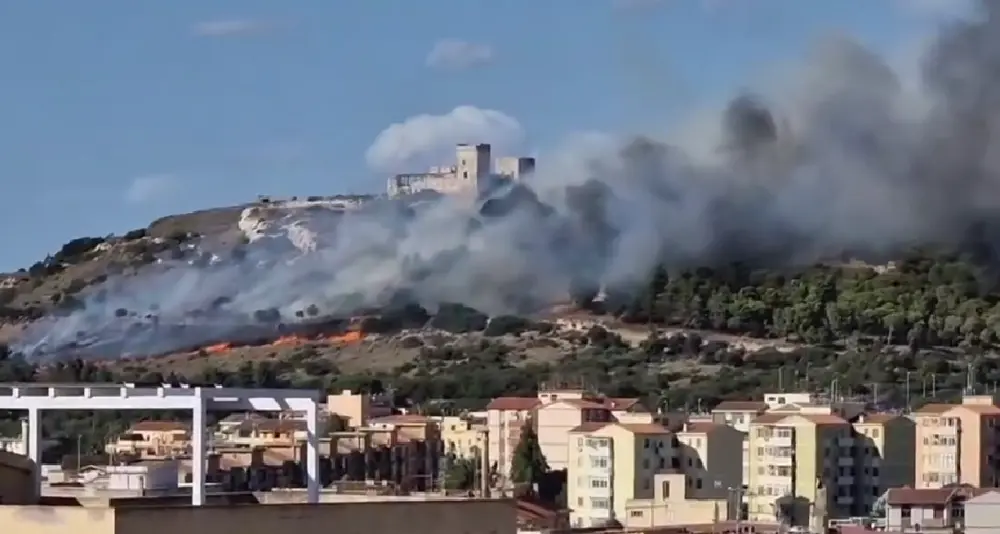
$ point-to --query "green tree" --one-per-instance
(528, 465)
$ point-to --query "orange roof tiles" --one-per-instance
(934, 409)
(769, 418)
(506, 404)
(588, 427)
(824, 419)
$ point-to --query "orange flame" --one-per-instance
(287, 341)
(349, 337)
(218, 348)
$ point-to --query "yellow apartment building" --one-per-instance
(611, 464)
(793, 456)
(461, 437)
(885, 456)
(553, 413)
(153, 439)
(554, 420)
(676, 501)
(958, 443)
(711, 454)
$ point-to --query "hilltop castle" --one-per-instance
(471, 173)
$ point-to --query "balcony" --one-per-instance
(780, 441)
(845, 461)
(845, 480)
(783, 461)
(845, 442)
(845, 500)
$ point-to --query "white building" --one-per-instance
(471, 173)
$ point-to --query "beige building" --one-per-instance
(153, 439)
(461, 437)
(738, 415)
(884, 457)
(611, 464)
(555, 419)
(793, 456)
(676, 501)
(355, 409)
(711, 455)
(505, 419)
(958, 443)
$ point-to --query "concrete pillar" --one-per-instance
(198, 451)
(34, 452)
(312, 454)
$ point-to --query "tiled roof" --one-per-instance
(588, 427)
(159, 426)
(741, 406)
(279, 425)
(919, 497)
(934, 409)
(769, 418)
(513, 404)
(824, 418)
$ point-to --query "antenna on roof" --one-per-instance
(970, 377)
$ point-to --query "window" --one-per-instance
(646, 484)
(599, 462)
(697, 484)
(663, 463)
(905, 511)
(600, 503)
(938, 512)
(635, 513)
(645, 443)
(598, 483)
(874, 432)
(465, 174)
(665, 488)
(645, 463)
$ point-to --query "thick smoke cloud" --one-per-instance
(840, 163)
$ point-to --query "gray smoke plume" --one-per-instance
(841, 164)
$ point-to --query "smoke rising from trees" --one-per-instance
(842, 163)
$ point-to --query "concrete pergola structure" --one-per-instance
(36, 398)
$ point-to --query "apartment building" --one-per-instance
(711, 454)
(800, 462)
(884, 454)
(612, 463)
(738, 415)
(153, 439)
(958, 443)
(461, 437)
(556, 418)
(505, 419)
(553, 413)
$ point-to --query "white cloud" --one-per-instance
(455, 54)
(425, 140)
(232, 27)
(150, 188)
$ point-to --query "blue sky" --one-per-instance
(115, 112)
